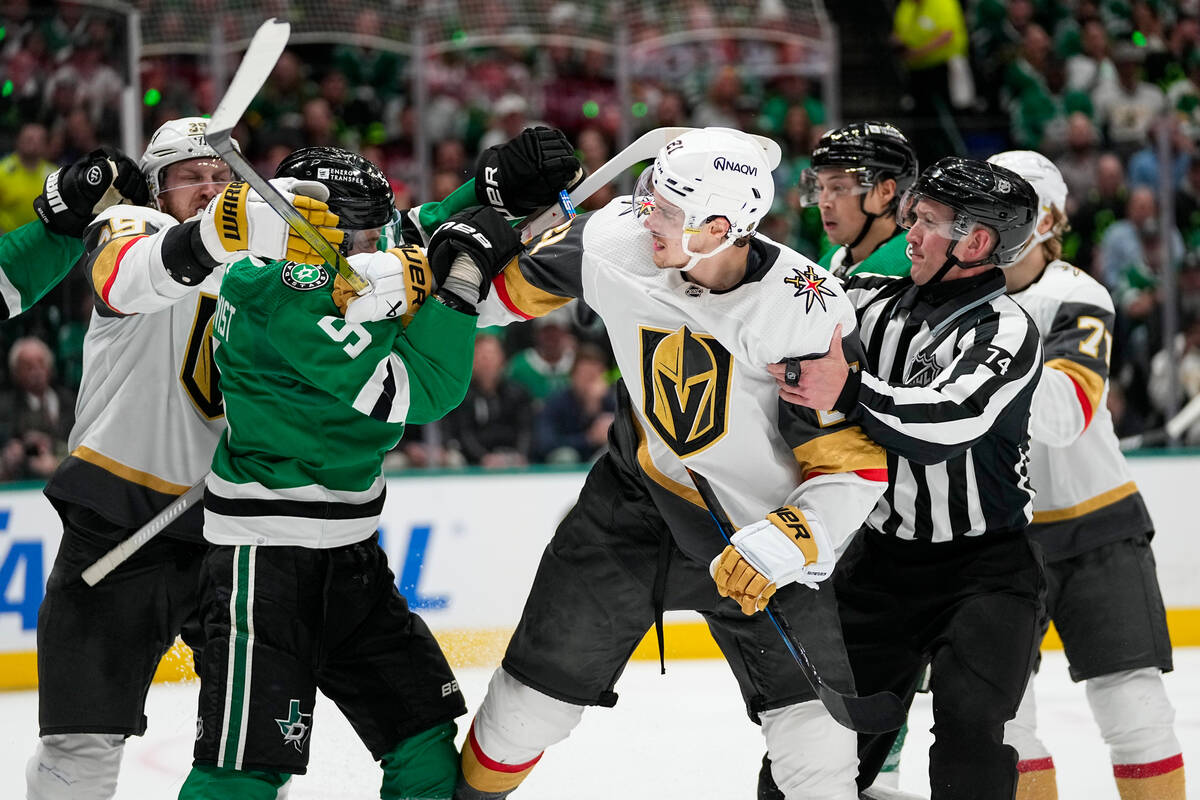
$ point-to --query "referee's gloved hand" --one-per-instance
(781, 549)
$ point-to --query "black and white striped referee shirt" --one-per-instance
(949, 376)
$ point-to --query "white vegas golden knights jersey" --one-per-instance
(694, 364)
(1086, 496)
(150, 410)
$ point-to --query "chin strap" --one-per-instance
(950, 263)
(696, 258)
(866, 226)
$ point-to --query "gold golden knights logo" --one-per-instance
(199, 374)
(685, 384)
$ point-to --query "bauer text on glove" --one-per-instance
(527, 172)
(783, 548)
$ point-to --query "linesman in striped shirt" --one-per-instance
(941, 571)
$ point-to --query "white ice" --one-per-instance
(684, 735)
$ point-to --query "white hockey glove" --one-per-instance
(386, 294)
(781, 549)
(238, 222)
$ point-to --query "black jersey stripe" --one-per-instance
(310, 509)
(387, 396)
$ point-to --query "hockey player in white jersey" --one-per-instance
(696, 304)
(148, 417)
(1090, 521)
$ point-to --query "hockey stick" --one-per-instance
(1176, 426)
(262, 53)
(127, 547)
(876, 713)
(644, 148)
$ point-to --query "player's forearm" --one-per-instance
(437, 348)
(928, 425)
(1060, 412)
(428, 216)
(839, 502)
(33, 260)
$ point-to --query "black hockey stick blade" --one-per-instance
(877, 713)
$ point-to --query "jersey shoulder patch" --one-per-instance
(810, 285)
(303, 277)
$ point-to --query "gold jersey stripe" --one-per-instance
(105, 264)
(1087, 380)
(688, 493)
(152, 482)
(525, 298)
(845, 450)
(1087, 506)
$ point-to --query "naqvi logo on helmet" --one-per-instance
(726, 165)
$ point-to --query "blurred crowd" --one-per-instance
(1090, 83)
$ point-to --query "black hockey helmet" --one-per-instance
(359, 192)
(870, 151)
(979, 193)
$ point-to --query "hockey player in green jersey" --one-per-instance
(858, 173)
(296, 594)
(39, 254)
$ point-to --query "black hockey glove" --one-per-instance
(486, 238)
(527, 172)
(73, 196)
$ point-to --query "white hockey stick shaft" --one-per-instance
(642, 149)
(258, 62)
(1176, 427)
(127, 547)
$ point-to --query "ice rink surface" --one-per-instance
(684, 735)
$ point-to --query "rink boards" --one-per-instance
(464, 548)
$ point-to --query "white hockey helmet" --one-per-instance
(714, 172)
(177, 140)
(1046, 180)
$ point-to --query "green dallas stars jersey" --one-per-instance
(32, 262)
(314, 402)
(890, 258)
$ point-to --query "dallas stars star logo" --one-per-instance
(304, 277)
(295, 728)
(810, 286)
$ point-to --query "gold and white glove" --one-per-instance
(238, 222)
(781, 549)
